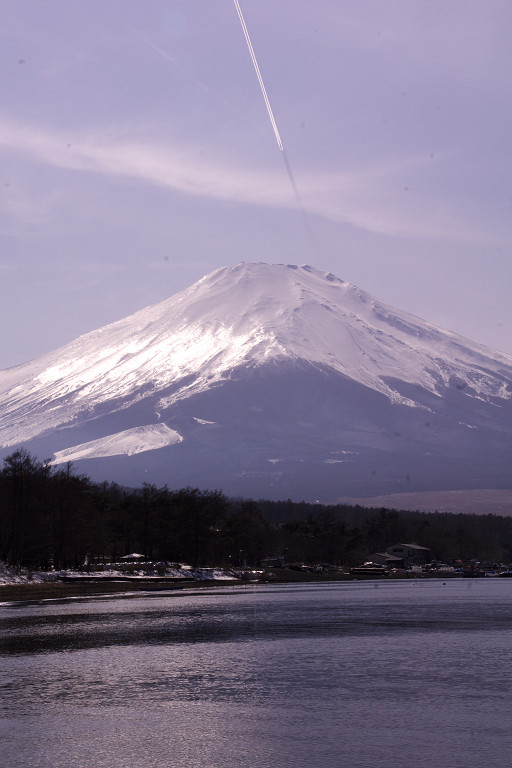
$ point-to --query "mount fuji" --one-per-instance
(269, 381)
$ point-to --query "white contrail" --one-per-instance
(272, 118)
(258, 74)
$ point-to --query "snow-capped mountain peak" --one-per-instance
(234, 320)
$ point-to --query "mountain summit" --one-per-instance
(269, 381)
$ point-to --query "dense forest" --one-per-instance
(53, 517)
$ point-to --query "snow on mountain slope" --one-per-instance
(243, 317)
(128, 443)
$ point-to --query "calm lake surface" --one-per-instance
(352, 674)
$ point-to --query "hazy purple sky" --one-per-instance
(137, 155)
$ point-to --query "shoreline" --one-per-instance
(61, 590)
(27, 592)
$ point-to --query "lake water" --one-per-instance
(351, 674)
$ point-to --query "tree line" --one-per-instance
(53, 517)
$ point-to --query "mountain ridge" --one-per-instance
(129, 384)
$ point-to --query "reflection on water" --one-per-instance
(336, 674)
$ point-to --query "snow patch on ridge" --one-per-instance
(127, 442)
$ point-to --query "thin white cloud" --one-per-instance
(369, 198)
(180, 169)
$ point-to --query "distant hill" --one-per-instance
(482, 502)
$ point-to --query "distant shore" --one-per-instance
(84, 588)
(57, 590)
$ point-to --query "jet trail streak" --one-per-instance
(258, 74)
(271, 116)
